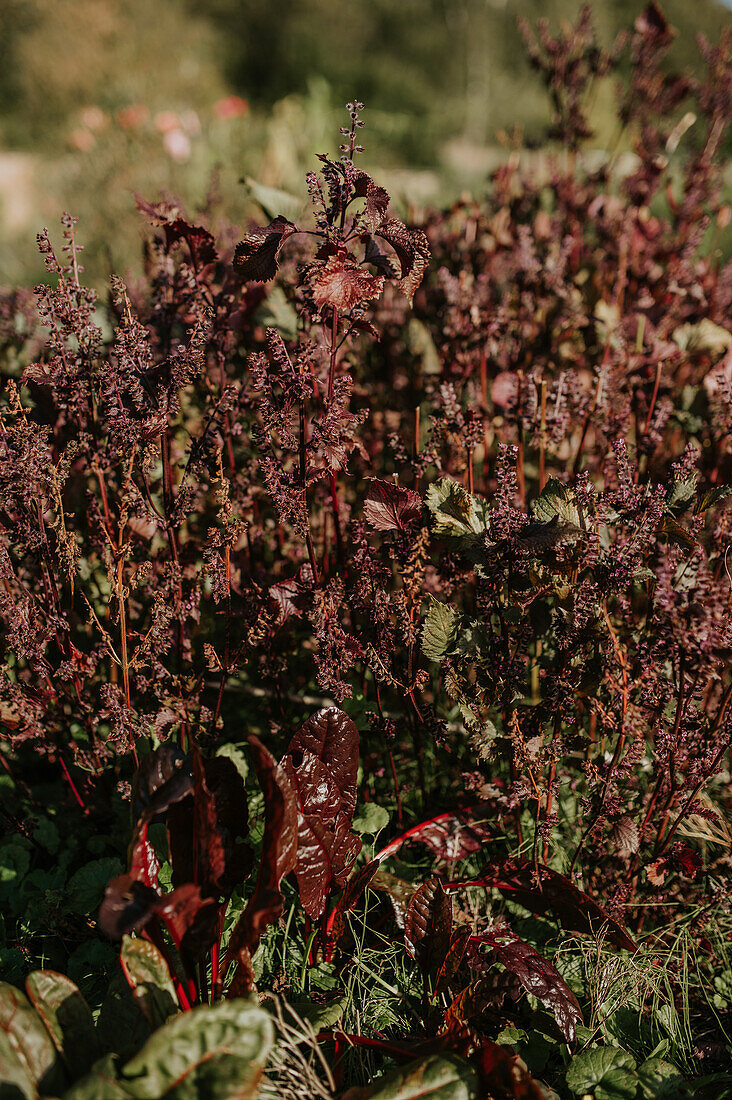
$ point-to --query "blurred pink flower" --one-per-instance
(177, 145)
(129, 118)
(83, 140)
(94, 118)
(165, 121)
(231, 106)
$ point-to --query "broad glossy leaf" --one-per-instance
(144, 862)
(67, 1018)
(127, 906)
(28, 1057)
(537, 976)
(554, 895)
(149, 978)
(440, 1077)
(428, 926)
(214, 1051)
(332, 736)
(390, 507)
(322, 766)
(607, 1073)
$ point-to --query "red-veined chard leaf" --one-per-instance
(428, 926)
(535, 973)
(553, 894)
(322, 766)
(449, 836)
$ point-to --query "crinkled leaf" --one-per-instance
(413, 252)
(428, 925)
(85, 889)
(342, 284)
(607, 1073)
(704, 336)
(390, 507)
(456, 512)
(537, 976)
(257, 256)
(149, 979)
(28, 1057)
(217, 1051)
(66, 1016)
(556, 500)
(377, 201)
(199, 240)
(322, 766)
(440, 630)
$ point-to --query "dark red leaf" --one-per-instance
(535, 973)
(428, 926)
(322, 766)
(332, 736)
(144, 862)
(199, 240)
(127, 906)
(453, 959)
(163, 777)
(257, 255)
(553, 894)
(390, 507)
(377, 201)
(412, 250)
(342, 284)
(450, 836)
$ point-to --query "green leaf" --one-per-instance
(456, 512)
(320, 1017)
(370, 819)
(28, 1058)
(122, 1026)
(85, 889)
(218, 1052)
(99, 1084)
(440, 630)
(607, 1073)
(149, 977)
(438, 1077)
(237, 755)
(681, 491)
(273, 201)
(557, 500)
(66, 1016)
(660, 1080)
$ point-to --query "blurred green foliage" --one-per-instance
(100, 98)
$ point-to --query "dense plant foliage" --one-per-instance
(366, 633)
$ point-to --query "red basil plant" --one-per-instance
(429, 518)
